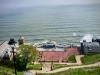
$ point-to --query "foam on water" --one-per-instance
(87, 37)
(74, 34)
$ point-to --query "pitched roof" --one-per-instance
(91, 44)
(4, 47)
(1, 42)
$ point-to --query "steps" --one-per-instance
(46, 67)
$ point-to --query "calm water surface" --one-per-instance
(66, 24)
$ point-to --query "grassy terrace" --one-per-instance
(57, 66)
(71, 58)
(10, 71)
(4, 70)
(82, 71)
(34, 67)
(90, 59)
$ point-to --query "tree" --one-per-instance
(25, 54)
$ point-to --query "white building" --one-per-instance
(5, 51)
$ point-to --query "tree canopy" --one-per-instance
(25, 55)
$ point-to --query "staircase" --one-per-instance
(46, 67)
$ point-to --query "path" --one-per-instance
(66, 68)
(78, 61)
(46, 67)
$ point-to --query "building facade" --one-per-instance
(90, 47)
(5, 52)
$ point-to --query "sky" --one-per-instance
(6, 6)
(23, 3)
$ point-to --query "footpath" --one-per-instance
(46, 68)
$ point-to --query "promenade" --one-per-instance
(59, 56)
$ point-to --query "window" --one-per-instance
(89, 48)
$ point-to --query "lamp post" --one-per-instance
(12, 43)
(52, 64)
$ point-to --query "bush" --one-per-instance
(27, 54)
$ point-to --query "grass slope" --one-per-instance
(80, 71)
(56, 66)
(90, 59)
(9, 71)
(34, 67)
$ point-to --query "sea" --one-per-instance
(60, 23)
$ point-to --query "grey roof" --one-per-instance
(4, 47)
(1, 42)
(91, 44)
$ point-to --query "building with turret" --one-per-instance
(21, 40)
(90, 47)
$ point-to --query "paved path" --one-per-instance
(46, 67)
(78, 61)
(66, 68)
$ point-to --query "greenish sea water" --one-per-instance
(65, 24)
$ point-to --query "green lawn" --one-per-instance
(81, 71)
(89, 59)
(57, 66)
(10, 71)
(71, 58)
(7, 70)
(34, 67)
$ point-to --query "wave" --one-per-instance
(87, 37)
